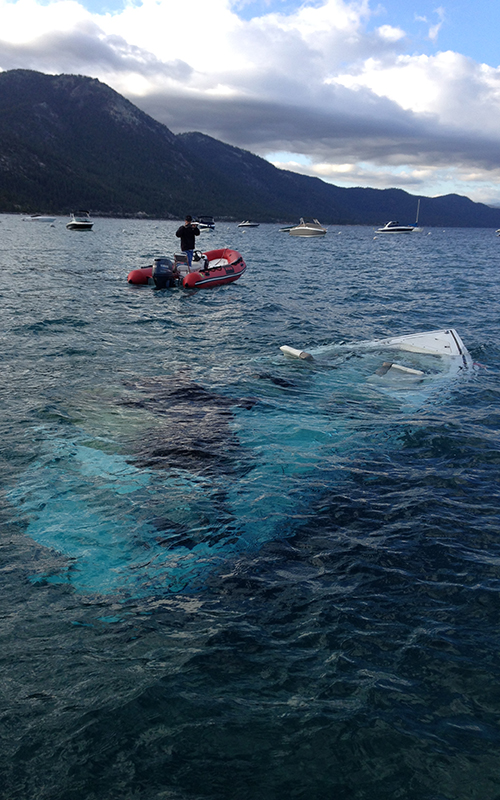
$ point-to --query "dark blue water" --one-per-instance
(227, 574)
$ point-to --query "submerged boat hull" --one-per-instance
(224, 266)
(206, 477)
(408, 368)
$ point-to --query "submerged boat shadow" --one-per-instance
(188, 478)
(142, 508)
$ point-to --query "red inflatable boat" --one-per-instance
(212, 268)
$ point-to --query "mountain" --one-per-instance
(276, 194)
(69, 141)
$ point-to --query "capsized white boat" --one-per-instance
(440, 343)
(138, 518)
(308, 227)
(413, 364)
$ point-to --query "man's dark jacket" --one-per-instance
(186, 234)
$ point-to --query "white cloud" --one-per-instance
(459, 92)
(434, 29)
(203, 34)
(390, 34)
(481, 186)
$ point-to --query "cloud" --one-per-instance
(88, 51)
(390, 34)
(460, 93)
(314, 81)
(434, 29)
(337, 130)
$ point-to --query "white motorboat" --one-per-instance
(80, 221)
(309, 227)
(248, 224)
(205, 222)
(40, 218)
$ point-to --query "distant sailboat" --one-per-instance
(395, 227)
(416, 226)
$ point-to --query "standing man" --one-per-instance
(186, 234)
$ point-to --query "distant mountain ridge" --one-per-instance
(69, 141)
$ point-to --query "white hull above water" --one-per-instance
(423, 361)
(445, 342)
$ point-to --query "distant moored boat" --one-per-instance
(80, 221)
(39, 218)
(309, 227)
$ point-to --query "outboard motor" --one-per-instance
(164, 273)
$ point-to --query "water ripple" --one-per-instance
(227, 574)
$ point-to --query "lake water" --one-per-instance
(229, 574)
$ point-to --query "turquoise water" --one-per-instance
(231, 574)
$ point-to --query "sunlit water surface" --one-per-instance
(228, 574)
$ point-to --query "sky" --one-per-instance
(380, 93)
